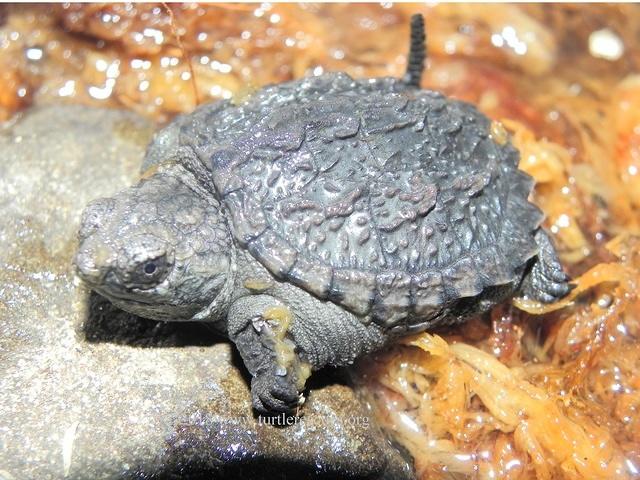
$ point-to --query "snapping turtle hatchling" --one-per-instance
(320, 219)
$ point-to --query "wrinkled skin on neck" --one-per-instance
(160, 249)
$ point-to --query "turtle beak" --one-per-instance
(94, 258)
(86, 267)
(93, 261)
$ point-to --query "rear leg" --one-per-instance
(546, 281)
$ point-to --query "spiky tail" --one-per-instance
(417, 51)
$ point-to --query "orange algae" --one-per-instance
(526, 391)
(460, 407)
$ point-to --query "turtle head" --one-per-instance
(160, 249)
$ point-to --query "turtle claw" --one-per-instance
(272, 393)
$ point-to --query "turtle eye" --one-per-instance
(151, 271)
(150, 268)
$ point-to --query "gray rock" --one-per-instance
(92, 392)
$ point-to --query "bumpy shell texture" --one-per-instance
(390, 201)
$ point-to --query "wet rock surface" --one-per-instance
(92, 392)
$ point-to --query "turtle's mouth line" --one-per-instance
(122, 298)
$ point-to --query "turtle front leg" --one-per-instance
(259, 326)
(546, 281)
